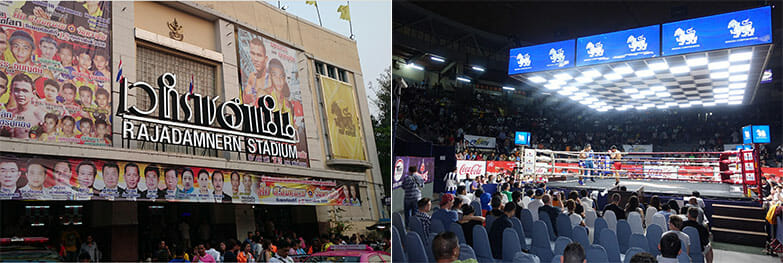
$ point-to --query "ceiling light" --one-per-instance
(552, 86)
(658, 66)
(583, 79)
(662, 106)
(719, 75)
(663, 94)
(433, 58)
(641, 107)
(584, 102)
(679, 69)
(637, 96)
(695, 62)
(601, 103)
(721, 96)
(658, 88)
(463, 79)
(590, 99)
(720, 90)
(718, 65)
(613, 76)
(740, 56)
(478, 68)
(708, 104)
(738, 85)
(411, 65)
(735, 102)
(622, 70)
(737, 97)
(537, 79)
(684, 105)
(565, 92)
(649, 105)
(621, 108)
(507, 88)
(592, 73)
(671, 104)
(557, 82)
(571, 88)
(644, 73)
(575, 97)
(630, 90)
(647, 92)
(581, 94)
(737, 92)
(695, 102)
(563, 76)
(738, 78)
(722, 101)
(739, 68)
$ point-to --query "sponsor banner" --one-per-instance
(760, 133)
(556, 55)
(638, 148)
(500, 167)
(425, 168)
(766, 76)
(480, 141)
(747, 138)
(735, 29)
(736, 147)
(267, 67)
(31, 177)
(522, 138)
(56, 71)
(345, 133)
(637, 43)
(470, 168)
(773, 174)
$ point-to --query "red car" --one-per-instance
(350, 253)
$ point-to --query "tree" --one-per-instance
(381, 125)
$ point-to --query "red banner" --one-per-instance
(500, 167)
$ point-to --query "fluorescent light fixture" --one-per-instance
(719, 75)
(658, 66)
(718, 65)
(630, 90)
(563, 76)
(581, 95)
(621, 108)
(644, 73)
(696, 61)
(590, 99)
(637, 96)
(565, 92)
(571, 88)
(737, 85)
(507, 88)
(695, 102)
(622, 70)
(708, 104)
(679, 69)
(735, 102)
(552, 86)
(434, 58)
(738, 78)
(739, 68)
(592, 73)
(557, 82)
(583, 79)
(613, 76)
(647, 92)
(721, 96)
(584, 102)
(537, 79)
(684, 105)
(663, 94)
(740, 56)
(478, 68)
(577, 98)
(658, 88)
(649, 105)
(600, 103)
(662, 106)
(463, 79)
(722, 101)
(411, 65)
(593, 106)
(671, 104)
(720, 90)
(737, 92)
(737, 97)
(641, 107)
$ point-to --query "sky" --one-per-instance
(371, 28)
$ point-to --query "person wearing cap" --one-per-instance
(616, 156)
(445, 214)
(22, 47)
(586, 158)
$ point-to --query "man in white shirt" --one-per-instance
(212, 252)
(675, 226)
(587, 202)
(536, 203)
(282, 254)
(462, 194)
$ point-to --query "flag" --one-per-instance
(311, 3)
(119, 72)
(190, 87)
(345, 12)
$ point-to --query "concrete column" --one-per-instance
(245, 220)
(123, 43)
(373, 175)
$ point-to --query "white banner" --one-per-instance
(529, 161)
(480, 141)
(648, 148)
(472, 168)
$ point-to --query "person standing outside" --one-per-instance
(246, 255)
(91, 248)
(162, 254)
(202, 255)
(451, 181)
(412, 185)
(282, 254)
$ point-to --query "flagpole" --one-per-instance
(319, 14)
(350, 25)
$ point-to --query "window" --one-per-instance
(319, 68)
(343, 75)
(330, 71)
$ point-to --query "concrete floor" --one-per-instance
(721, 256)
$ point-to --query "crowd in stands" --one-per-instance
(444, 117)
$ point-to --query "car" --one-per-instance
(17, 249)
(350, 253)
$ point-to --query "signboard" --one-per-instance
(472, 169)
(737, 147)
(747, 138)
(480, 141)
(735, 29)
(500, 167)
(522, 138)
(425, 168)
(637, 43)
(766, 76)
(761, 134)
(269, 68)
(646, 148)
(556, 55)
(56, 71)
(345, 133)
(45, 178)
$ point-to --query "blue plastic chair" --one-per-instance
(596, 254)
(630, 253)
(399, 221)
(547, 220)
(436, 227)
(609, 241)
(522, 257)
(579, 234)
(557, 258)
(563, 225)
(623, 234)
(417, 227)
(510, 244)
(638, 240)
(490, 220)
(695, 249)
(481, 244)
(560, 244)
(527, 222)
(683, 258)
(397, 248)
(654, 233)
(466, 252)
(476, 208)
(457, 229)
(541, 246)
(428, 246)
(517, 225)
(600, 224)
(415, 248)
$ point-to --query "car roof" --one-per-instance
(350, 253)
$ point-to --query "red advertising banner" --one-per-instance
(500, 167)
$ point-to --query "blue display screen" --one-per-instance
(761, 134)
(522, 138)
(637, 43)
(556, 55)
(735, 29)
(746, 135)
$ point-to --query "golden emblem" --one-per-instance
(175, 30)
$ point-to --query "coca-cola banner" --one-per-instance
(480, 141)
(425, 168)
(470, 168)
(500, 167)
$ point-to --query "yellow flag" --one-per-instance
(311, 3)
(345, 13)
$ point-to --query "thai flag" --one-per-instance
(119, 72)
(190, 87)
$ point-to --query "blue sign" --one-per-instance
(744, 147)
(746, 135)
(637, 43)
(556, 55)
(735, 29)
(522, 138)
(761, 134)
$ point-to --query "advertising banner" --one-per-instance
(643, 42)
(345, 133)
(425, 168)
(470, 168)
(638, 148)
(268, 68)
(56, 71)
(522, 138)
(735, 29)
(480, 141)
(30, 177)
(500, 167)
(556, 55)
(761, 134)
